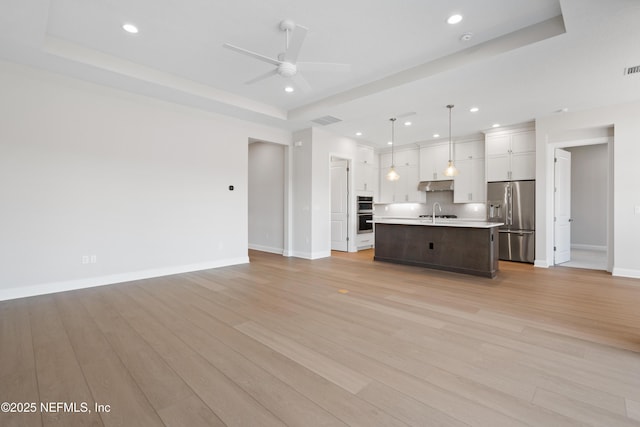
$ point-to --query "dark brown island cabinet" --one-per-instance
(467, 247)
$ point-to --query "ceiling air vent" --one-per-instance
(632, 70)
(326, 120)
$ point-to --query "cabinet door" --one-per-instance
(497, 145)
(433, 162)
(523, 166)
(365, 154)
(523, 142)
(462, 183)
(478, 181)
(498, 168)
(468, 150)
(387, 188)
(407, 188)
(470, 185)
(365, 177)
(409, 157)
(385, 161)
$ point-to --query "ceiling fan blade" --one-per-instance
(301, 82)
(252, 54)
(324, 66)
(262, 77)
(295, 44)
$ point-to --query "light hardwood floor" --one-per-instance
(337, 341)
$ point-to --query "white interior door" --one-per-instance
(562, 225)
(339, 205)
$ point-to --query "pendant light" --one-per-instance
(392, 175)
(451, 169)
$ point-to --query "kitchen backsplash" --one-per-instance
(445, 198)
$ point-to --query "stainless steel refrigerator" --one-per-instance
(513, 203)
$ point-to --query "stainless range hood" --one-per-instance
(436, 185)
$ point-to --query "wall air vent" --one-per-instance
(632, 70)
(326, 120)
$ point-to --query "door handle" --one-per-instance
(570, 219)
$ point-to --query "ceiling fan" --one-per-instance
(286, 62)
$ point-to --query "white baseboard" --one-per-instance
(589, 247)
(90, 282)
(542, 263)
(269, 249)
(626, 272)
(311, 255)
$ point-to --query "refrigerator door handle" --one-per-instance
(509, 205)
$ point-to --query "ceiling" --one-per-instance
(527, 59)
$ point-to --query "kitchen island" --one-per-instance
(469, 247)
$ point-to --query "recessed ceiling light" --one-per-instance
(407, 123)
(358, 133)
(454, 19)
(495, 125)
(130, 28)
(436, 135)
(474, 109)
(289, 89)
(390, 143)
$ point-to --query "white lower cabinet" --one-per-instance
(365, 241)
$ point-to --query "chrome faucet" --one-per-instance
(433, 217)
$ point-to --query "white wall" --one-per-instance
(301, 187)
(626, 175)
(142, 184)
(266, 196)
(312, 152)
(589, 171)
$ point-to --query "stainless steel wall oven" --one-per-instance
(365, 214)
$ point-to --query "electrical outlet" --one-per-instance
(94, 259)
(85, 259)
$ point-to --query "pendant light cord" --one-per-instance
(393, 123)
(450, 107)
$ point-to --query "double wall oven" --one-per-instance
(365, 214)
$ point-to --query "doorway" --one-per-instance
(339, 204)
(266, 197)
(581, 213)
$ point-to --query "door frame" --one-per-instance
(551, 151)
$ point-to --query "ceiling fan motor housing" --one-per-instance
(287, 69)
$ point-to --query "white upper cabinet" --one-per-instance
(433, 162)
(511, 155)
(404, 190)
(469, 184)
(366, 177)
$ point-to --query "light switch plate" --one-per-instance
(637, 210)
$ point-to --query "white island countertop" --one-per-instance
(440, 222)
